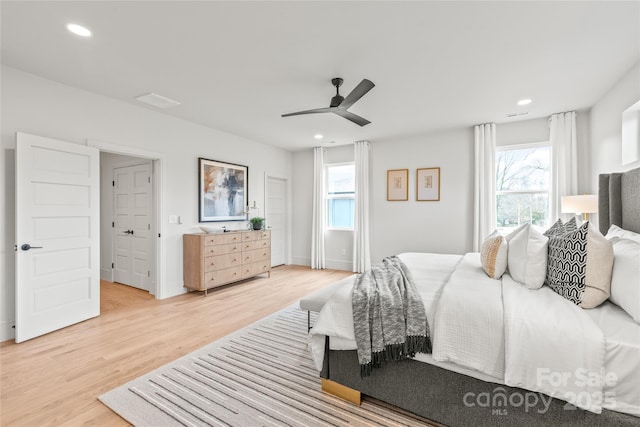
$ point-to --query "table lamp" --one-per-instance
(583, 204)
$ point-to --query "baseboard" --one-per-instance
(300, 260)
(106, 274)
(335, 264)
(6, 330)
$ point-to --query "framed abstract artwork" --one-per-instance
(222, 191)
(428, 184)
(397, 185)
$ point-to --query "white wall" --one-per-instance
(606, 126)
(42, 107)
(444, 226)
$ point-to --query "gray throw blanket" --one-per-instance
(390, 321)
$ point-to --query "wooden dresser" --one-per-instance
(211, 260)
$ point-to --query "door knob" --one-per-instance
(27, 246)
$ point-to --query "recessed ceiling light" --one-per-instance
(318, 136)
(524, 102)
(79, 30)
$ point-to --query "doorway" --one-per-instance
(143, 269)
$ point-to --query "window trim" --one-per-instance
(327, 196)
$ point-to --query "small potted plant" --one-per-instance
(257, 222)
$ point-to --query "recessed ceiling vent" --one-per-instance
(512, 115)
(157, 100)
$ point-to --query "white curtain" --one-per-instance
(564, 160)
(318, 222)
(361, 253)
(484, 203)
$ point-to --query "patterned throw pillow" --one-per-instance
(493, 255)
(570, 225)
(559, 227)
(556, 229)
(579, 266)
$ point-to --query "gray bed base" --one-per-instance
(455, 399)
(459, 400)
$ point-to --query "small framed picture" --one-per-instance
(397, 185)
(428, 184)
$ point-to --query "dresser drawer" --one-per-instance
(222, 238)
(250, 236)
(250, 270)
(222, 249)
(265, 234)
(220, 277)
(250, 245)
(222, 261)
(256, 255)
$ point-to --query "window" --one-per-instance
(523, 181)
(341, 189)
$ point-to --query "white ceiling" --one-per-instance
(237, 66)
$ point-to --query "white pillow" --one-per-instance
(615, 231)
(493, 255)
(527, 258)
(625, 279)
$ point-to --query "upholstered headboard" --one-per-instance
(619, 200)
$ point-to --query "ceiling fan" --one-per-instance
(340, 104)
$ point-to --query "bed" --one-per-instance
(488, 381)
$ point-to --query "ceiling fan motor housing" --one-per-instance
(336, 100)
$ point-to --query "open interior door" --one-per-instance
(57, 235)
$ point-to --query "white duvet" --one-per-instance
(495, 330)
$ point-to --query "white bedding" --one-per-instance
(552, 346)
(468, 328)
(435, 273)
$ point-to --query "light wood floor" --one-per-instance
(56, 379)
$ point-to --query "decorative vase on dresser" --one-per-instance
(212, 260)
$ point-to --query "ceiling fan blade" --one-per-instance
(357, 93)
(350, 116)
(316, 110)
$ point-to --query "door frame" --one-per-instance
(288, 208)
(157, 162)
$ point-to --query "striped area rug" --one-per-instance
(262, 375)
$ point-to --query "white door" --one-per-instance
(276, 218)
(132, 225)
(57, 235)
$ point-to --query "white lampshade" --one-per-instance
(582, 204)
